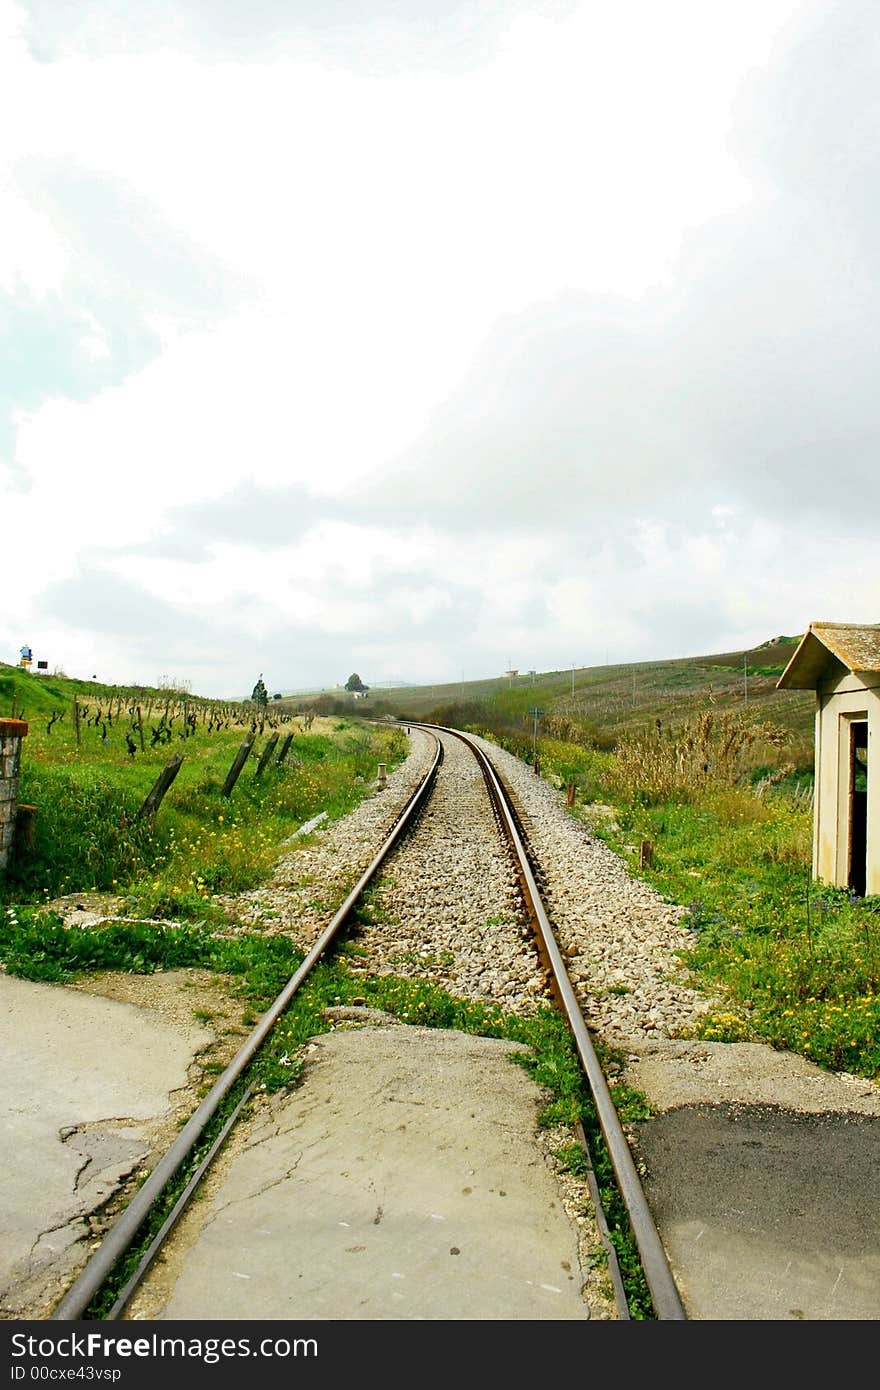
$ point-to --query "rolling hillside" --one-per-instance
(615, 700)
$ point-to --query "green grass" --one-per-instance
(797, 963)
(35, 945)
(88, 792)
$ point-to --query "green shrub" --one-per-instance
(86, 834)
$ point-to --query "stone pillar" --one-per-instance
(12, 731)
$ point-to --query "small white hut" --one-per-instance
(841, 662)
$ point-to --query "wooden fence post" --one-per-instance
(240, 760)
(569, 794)
(285, 749)
(76, 719)
(161, 785)
(266, 755)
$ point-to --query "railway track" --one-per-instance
(551, 976)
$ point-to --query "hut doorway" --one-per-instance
(858, 805)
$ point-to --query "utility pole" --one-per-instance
(746, 679)
(572, 680)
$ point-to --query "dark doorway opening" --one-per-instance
(858, 806)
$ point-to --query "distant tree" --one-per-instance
(354, 682)
(260, 694)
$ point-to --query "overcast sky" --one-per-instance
(420, 337)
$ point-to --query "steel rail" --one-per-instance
(127, 1225)
(177, 1210)
(658, 1275)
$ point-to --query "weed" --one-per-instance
(572, 1159)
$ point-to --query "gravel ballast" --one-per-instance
(622, 939)
(447, 905)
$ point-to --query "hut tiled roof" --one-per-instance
(855, 645)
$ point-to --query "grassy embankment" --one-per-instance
(87, 792)
(721, 788)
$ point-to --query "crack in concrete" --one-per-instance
(61, 1225)
(251, 1196)
(87, 1163)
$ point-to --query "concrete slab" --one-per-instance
(762, 1177)
(401, 1181)
(81, 1078)
(706, 1073)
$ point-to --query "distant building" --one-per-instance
(510, 674)
(841, 662)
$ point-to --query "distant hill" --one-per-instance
(614, 699)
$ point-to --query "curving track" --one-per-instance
(466, 862)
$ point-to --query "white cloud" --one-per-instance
(501, 321)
